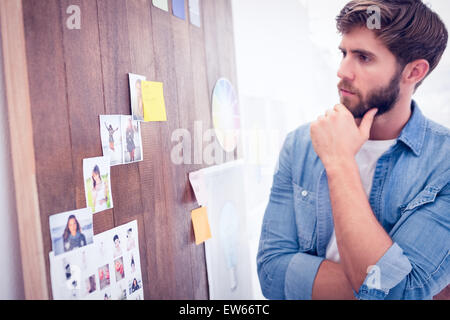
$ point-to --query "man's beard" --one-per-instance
(383, 98)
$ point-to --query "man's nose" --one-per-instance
(346, 70)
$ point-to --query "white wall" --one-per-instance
(11, 282)
(433, 96)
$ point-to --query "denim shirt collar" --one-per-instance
(413, 134)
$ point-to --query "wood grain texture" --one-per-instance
(15, 74)
(76, 75)
(50, 114)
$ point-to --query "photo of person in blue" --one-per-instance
(72, 236)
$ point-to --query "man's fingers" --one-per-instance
(339, 107)
(367, 121)
(329, 113)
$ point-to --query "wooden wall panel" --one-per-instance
(16, 106)
(201, 112)
(84, 98)
(76, 75)
(142, 62)
(187, 109)
(50, 114)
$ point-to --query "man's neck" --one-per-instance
(389, 125)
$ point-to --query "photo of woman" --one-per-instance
(90, 284)
(134, 286)
(99, 190)
(97, 183)
(129, 136)
(71, 230)
(137, 106)
(132, 144)
(103, 276)
(111, 132)
(118, 266)
(130, 240)
(111, 136)
(117, 249)
(72, 237)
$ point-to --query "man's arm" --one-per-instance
(360, 238)
(414, 263)
(284, 271)
(331, 283)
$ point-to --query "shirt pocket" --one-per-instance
(305, 216)
(427, 195)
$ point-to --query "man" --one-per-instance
(360, 202)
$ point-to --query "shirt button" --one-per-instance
(304, 193)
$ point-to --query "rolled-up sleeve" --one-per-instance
(284, 272)
(416, 266)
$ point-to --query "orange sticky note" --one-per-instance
(200, 222)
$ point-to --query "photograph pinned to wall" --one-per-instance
(104, 276)
(71, 230)
(194, 13)
(137, 105)
(110, 133)
(161, 4)
(90, 284)
(93, 272)
(121, 292)
(178, 9)
(134, 285)
(107, 295)
(131, 140)
(117, 246)
(226, 114)
(227, 253)
(131, 243)
(119, 268)
(125, 265)
(73, 276)
(97, 183)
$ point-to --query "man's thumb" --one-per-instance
(367, 121)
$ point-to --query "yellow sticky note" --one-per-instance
(153, 99)
(200, 222)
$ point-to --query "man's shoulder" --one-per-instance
(298, 144)
(434, 128)
(300, 135)
(437, 142)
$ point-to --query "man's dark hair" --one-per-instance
(409, 28)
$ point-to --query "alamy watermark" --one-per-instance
(257, 146)
(73, 22)
(373, 280)
(374, 20)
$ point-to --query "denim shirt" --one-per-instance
(410, 198)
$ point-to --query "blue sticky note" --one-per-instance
(178, 9)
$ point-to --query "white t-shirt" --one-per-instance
(367, 159)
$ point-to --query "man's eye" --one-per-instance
(364, 58)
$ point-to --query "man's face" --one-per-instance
(370, 75)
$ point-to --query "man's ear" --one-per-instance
(416, 71)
